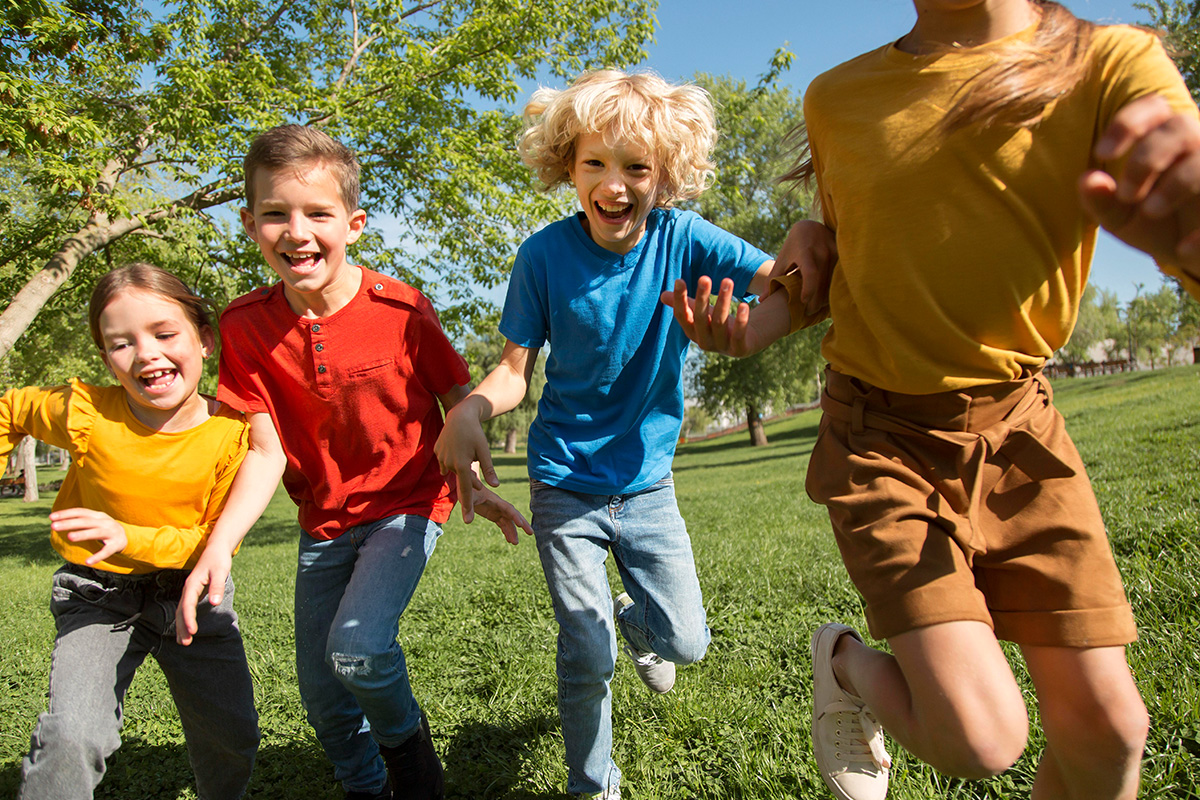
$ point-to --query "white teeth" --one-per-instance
(157, 374)
(613, 209)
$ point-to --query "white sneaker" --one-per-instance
(847, 739)
(657, 673)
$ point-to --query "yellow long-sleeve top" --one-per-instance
(962, 258)
(166, 489)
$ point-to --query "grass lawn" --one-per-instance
(479, 635)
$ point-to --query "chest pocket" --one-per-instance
(370, 370)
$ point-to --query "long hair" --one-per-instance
(1014, 91)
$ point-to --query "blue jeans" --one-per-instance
(107, 625)
(350, 593)
(650, 544)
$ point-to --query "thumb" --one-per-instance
(1098, 194)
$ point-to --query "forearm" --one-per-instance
(769, 322)
(251, 492)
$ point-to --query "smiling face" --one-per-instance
(153, 349)
(618, 185)
(302, 226)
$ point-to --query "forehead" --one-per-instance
(140, 307)
(312, 182)
(614, 143)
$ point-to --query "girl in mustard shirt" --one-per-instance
(151, 463)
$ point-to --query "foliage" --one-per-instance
(128, 120)
(1180, 23)
(479, 635)
(747, 201)
(1099, 320)
(483, 352)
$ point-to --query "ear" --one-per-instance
(357, 221)
(248, 222)
(208, 341)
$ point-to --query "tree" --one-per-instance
(482, 352)
(128, 121)
(747, 201)
(1180, 23)
(1099, 320)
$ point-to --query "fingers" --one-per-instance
(466, 494)
(1130, 124)
(185, 612)
(484, 457)
(1162, 168)
(1098, 193)
(110, 547)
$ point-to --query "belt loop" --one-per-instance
(857, 425)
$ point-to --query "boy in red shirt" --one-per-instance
(341, 372)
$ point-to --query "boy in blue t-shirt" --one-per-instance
(601, 447)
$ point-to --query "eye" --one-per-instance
(116, 346)
(593, 162)
(166, 336)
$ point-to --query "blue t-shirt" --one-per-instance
(612, 407)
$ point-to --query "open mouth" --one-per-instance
(614, 212)
(159, 380)
(302, 262)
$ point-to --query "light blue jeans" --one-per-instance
(107, 625)
(350, 593)
(649, 541)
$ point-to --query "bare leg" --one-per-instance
(948, 696)
(1095, 723)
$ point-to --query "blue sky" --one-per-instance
(738, 38)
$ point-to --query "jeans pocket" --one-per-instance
(71, 587)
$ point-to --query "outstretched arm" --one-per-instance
(1154, 203)
(462, 442)
(252, 490)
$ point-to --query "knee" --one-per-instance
(982, 748)
(1110, 731)
(686, 648)
(361, 672)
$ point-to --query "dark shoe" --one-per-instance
(414, 771)
(382, 794)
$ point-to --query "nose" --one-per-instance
(297, 228)
(613, 182)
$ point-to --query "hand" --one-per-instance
(811, 250)
(711, 326)
(1154, 205)
(495, 508)
(87, 525)
(459, 446)
(212, 570)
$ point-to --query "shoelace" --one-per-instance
(858, 735)
(643, 659)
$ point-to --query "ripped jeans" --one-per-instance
(350, 593)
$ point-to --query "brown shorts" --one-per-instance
(969, 505)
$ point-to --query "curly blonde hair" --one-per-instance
(675, 122)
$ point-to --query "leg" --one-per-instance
(211, 686)
(90, 671)
(574, 532)
(654, 556)
(948, 696)
(322, 574)
(1094, 720)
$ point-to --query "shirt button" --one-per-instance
(321, 369)
(316, 328)
(319, 347)
(379, 287)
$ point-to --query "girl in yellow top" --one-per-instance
(151, 463)
(963, 168)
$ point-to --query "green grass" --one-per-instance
(480, 632)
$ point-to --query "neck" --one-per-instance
(938, 28)
(329, 299)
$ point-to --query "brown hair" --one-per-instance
(676, 122)
(299, 147)
(149, 278)
(1014, 91)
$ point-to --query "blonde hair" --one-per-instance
(675, 122)
(1014, 91)
(300, 147)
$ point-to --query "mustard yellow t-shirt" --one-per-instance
(167, 489)
(962, 258)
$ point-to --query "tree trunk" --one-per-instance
(26, 458)
(758, 436)
(510, 441)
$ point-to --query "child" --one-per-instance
(341, 371)
(951, 165)
(600, 449)
(151, 463)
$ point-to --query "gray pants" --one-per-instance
(107, 624)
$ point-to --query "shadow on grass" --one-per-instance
(25, 533)
(485, 760)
